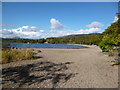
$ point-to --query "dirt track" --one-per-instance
(63, 68)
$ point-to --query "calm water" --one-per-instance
(43, 45)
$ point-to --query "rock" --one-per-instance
(39, 51)
(15, 48)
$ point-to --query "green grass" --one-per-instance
(12, 55)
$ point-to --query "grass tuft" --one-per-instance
(12, 55)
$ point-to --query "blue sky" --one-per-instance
(50, 19)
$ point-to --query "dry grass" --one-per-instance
(15, 55)
(113, 52)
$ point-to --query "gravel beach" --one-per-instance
(62, 68)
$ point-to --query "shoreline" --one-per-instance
(83, 68)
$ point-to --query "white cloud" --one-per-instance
(30, 28)
(23, 32)
(33, 32)
(20, 32)
(115, 19)
(25, 27)
(55, 24)
(56, 33)
(95, 24)
(90, 30)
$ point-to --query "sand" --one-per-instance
(63, 68)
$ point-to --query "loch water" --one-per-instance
(43, 45)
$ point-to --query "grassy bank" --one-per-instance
(12, 55)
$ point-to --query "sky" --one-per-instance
(35, 20)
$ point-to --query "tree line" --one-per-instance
(88, 39)
(23, 40)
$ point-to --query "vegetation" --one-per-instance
(111, 37)
(88, 39)
(24, 40)
(10, 55)
(15, 55)
(111, 41)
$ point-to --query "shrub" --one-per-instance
(15, 55)
(107, 43)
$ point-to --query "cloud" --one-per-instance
(95, 24)
(33, 32)
(55, 24)
(7, 33)
(115, 19)
(20, 32)
(29, 28)
(23, 32)
(57, 33)
(90, 30)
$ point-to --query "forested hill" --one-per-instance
(93, 38)
(90, 39)
(20, 40)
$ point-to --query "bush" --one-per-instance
(15, 55)
(107, 43)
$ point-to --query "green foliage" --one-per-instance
(77, 39)
(111, 37)
(25, 40)
(107, 44)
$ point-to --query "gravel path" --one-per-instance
(63, 68)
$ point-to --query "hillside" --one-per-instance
(111, 37)
(90, 39)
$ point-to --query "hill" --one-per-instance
(89, 39)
